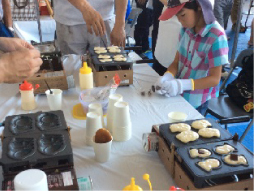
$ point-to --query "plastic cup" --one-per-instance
(122, 133)
(54, 99)
(177, 117)
(97, 108)
(102, 151)
(113, 98)
(121, 114)
(32, 179)
(93, 123)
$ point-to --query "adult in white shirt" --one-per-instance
(83, 23)
(167, 40)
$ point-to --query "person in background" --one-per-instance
(128, 10)
(6, 29)
(157, 9)
(18, 61)
(166, 48)
(84, 23)
(202, 50)
(141, 31)
(234, 12)
(222, 11)
(251, 41)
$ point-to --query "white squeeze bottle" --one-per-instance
(27, 96)
(85, 77)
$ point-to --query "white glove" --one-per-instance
(177, 87)
(158, 84)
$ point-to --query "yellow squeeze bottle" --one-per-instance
(85, 77)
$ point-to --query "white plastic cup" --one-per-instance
(32, 179)
(177, 117)
(113, 98)
(122, 133)
(102, 151)
(93, 123)
(121, 114)
(97, 108)
(54, 99)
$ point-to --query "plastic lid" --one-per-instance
(26, 86)
(85, 69)
(132, 186)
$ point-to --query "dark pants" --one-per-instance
(202, 109)
(141, 32)
(157, 9)
(4, 31)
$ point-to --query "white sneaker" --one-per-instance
(224, 74)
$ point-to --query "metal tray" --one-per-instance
(170, 137)
(202, 177)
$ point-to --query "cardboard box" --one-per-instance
(183, 181)
(172, 162)
(101, 78)
(53, 73)
(167, 155)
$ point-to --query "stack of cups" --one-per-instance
(121, 121)
(97, 108)
(32, 179)
(113, 98)
(93, 123)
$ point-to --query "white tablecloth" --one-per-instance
(128, 159)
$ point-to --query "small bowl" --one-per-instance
(177, 117)
(87, 97)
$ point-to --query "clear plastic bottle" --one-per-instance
(27, 96)
(85, 77)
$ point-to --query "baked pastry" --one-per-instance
(102, 136)
(202, 153)
(120, 59)
(106, 60)
(234, 159)
(224, 149)
(209, 132)
(200, 124)
(114, 50)
(187, 136)
(103, 56)
(112, 47)
(99, 48)
(101, 51)
(179, 127)
(209, 164)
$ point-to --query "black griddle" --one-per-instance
(48, 149)
(200, 177)
(170, 137)
(34, 123)
(36, 140)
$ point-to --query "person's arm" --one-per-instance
(7, 13)
(117, 36)
(210, 81)
(93, 19)
(173, 68)
(164, 2)
(18, 65)
(13, 44)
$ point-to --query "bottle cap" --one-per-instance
(26, 86)
(132, 186)
(85, 69)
